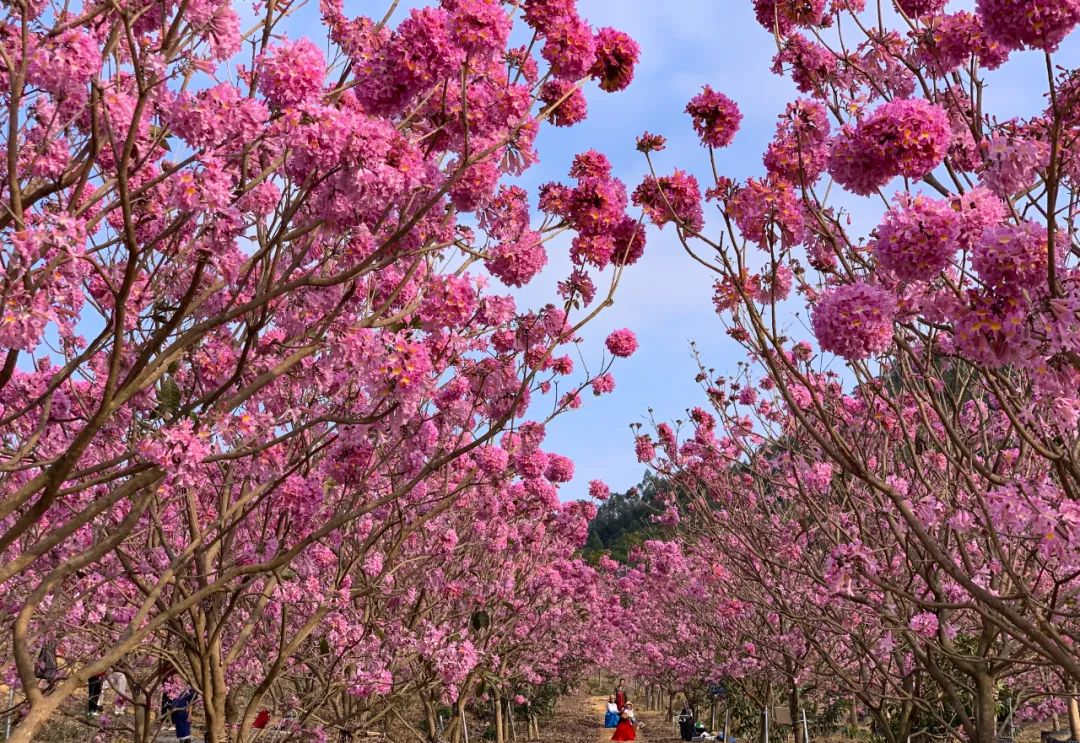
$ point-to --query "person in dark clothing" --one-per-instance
(686, 723)
(620, 696)
(45, 668)
(93, 700)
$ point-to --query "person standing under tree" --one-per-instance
(93, 698)
(620, 696)
(686, 722)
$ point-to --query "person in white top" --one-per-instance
(611, 718)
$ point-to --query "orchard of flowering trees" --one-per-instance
(273, 413)
(272, 421)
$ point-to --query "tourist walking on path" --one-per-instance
(620, 696)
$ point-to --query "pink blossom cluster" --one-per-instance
(622, 343)
(918, 238)
(596, 209)
(798, 152)
(907, 137)
(1042, 24)
(716, 118)
(783, 15)
(855, 320)
(768, 211)
(1013, 163)
(1012, 257)
(953, 39)
(916, 8)
(671, 198)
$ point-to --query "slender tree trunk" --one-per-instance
(1074, 718)
(500, 737)
(430, 717)
(985, 708)
(795, 708)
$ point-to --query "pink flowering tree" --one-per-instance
(835, 594)
(946, 448)
(246, 334)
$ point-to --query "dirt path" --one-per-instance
(581, 720)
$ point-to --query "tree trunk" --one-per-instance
(430, 717)
(985, 708)
(1074, 718)
(795, 708)
(499, 731)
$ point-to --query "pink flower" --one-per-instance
(590, 164)
(671, 198)
(599, 490)
(622, 343)
(291, 73)
(373, 564)
(924, 624)
(907, 137)
(649, 142)
(65, 63)
(559, 468)
(917, 238)
(798, 153)
(782, 15)
(569, 49)
(603, 384)
(812, 64)
(1042, 24)
(616, 56)
(516, 262)
(767, 210)
(568, 101)
(854, 320)
(628, 241)
(597, 205)
(479, 26)
(1013, 164)
(644, 448)
(954, 39)
(1012, 256)
(544, 15)
(716, 117)
(977, 210)
(916, 8)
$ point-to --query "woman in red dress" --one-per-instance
(624, 731)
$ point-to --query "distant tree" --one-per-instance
(627, 519)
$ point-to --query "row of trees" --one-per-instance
(900, 530)
(271, 422)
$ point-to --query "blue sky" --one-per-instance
(665, 298)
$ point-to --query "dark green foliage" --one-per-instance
(625, 520)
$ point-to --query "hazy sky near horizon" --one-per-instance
(666, 298)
